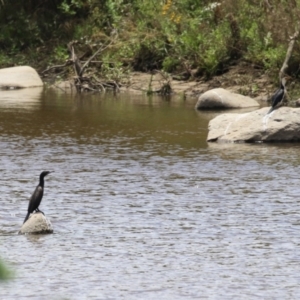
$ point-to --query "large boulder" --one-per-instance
(36, 224)
(220, 98)
(19, 77)
(281, 125)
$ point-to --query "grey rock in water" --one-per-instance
(281, 125)
(223, 99)
(19, 77)
(36, 224)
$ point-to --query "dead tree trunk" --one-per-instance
(288, 54)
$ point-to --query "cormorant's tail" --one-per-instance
(28, 214)
(271, 109)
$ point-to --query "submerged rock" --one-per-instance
(19, 77)
(281, 125)
(36, 224)
(220, 98)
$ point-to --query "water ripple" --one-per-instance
(146, 214)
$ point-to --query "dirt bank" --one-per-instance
(240, 79)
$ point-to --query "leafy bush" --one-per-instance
(169, 34)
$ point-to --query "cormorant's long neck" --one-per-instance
(41, 181)
(283, 83)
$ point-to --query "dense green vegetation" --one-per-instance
(174, 35)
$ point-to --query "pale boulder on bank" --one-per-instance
(19, 77)
(36, 224)
(223, 99)
(281, 125)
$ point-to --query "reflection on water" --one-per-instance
(24, 99)
(142, 206)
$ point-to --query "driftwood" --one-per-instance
(88, 82)
(68, 63)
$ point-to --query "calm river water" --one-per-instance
(142, 207)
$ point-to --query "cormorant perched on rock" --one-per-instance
(37, 196)
(278, 96)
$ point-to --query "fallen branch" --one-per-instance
(68, 63)
(90, 59)
(74, 59)
(87, 82)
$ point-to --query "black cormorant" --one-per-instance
(278, 96)
(37, 196)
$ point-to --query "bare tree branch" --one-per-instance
(288, 53)
(89, 60)
(68, 63)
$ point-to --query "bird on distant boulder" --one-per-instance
(278, 95)
(37, 196)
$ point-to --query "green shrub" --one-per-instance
(146, 35)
